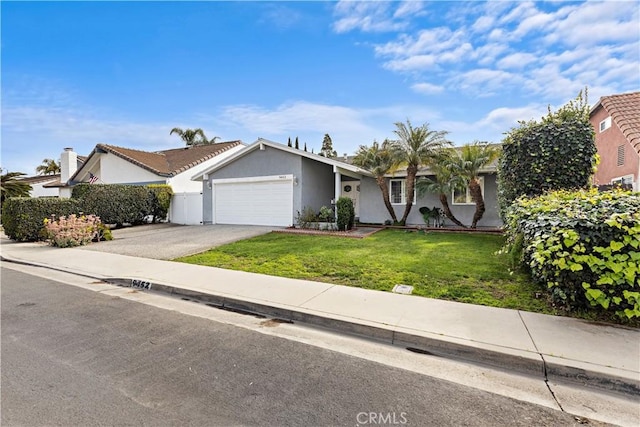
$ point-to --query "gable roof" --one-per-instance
(265, 142)
(165, 163)
(624, 110)
(40, 178)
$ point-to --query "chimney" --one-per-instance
(346, 157)
(68, 164)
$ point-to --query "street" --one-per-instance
(75, 357)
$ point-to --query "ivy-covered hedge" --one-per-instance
(23, 217)
(555, 153)
(115, 203)
(583, 246)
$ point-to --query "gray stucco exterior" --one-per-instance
(313, 180)
(372, 209)
(317, 181)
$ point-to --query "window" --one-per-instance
(605, 124)
(463, 197)
(397, 192)
(620, 155)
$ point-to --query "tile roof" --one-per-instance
(170, 162)
(624, 110)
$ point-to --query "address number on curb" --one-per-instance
(140, 284)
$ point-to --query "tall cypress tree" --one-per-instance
(297, 144)
(289, 142)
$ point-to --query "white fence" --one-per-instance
(186, 208)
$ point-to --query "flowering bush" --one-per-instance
(75, 230)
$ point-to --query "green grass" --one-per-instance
(453, 266)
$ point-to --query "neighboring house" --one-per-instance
(616, 120)
(267, 183)
(108, 164)
(47, 185)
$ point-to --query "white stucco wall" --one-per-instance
(182, 182)
(114, 170)
(37, 190)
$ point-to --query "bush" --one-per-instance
(65, 232)
(23, 218)
(584, 246)
(346, 213)
(159, 200)
(307, 217)
(557, 153)
(115, 203)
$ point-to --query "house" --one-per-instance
(267, 183)
(109, 164)
(616, 120)
(47, 185)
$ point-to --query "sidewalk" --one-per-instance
(555, 348)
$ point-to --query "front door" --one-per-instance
(351, 189)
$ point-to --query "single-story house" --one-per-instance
(616, 120)
(109, 164)
(47, 185)
(267, 183)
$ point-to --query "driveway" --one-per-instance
(169, 241)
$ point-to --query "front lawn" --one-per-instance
(454, 266)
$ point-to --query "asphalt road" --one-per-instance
(74, 357)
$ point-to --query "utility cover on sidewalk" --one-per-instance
(403, 289)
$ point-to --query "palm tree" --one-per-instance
(213, 140)
(377, 159)
(415, 147)
(191, 136)
(10, 186)
(443, 185)
(467, 164)
(48, 167)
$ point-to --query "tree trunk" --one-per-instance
(409, 186)
(476, 196)
(447, 211)
(382, 183)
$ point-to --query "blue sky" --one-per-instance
(75, 74)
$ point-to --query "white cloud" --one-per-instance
(517, 60)
(370, 16)
(427, 88)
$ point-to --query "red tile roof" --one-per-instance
(624, 110)
(169, 162)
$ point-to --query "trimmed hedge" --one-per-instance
(583, 246)
(115, 203)
(23, 217)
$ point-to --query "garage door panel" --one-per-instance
(266, 202)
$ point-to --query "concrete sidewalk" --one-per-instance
(555, 348)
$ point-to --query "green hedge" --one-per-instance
(115, 203)
(159, 200)
(584, 246)
(23, 218)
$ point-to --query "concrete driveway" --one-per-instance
(169, 241)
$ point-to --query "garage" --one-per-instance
(266, 200)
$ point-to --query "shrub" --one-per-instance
(556, 153)
(73, 230)
(307, 217)
(325, 214)
(584, 246)
(159, 200)
(23, 218)
(114, 203)
(346, 213)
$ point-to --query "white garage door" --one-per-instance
(259, 201)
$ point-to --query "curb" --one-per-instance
(438, 346)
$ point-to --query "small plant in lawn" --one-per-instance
(74, 230)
